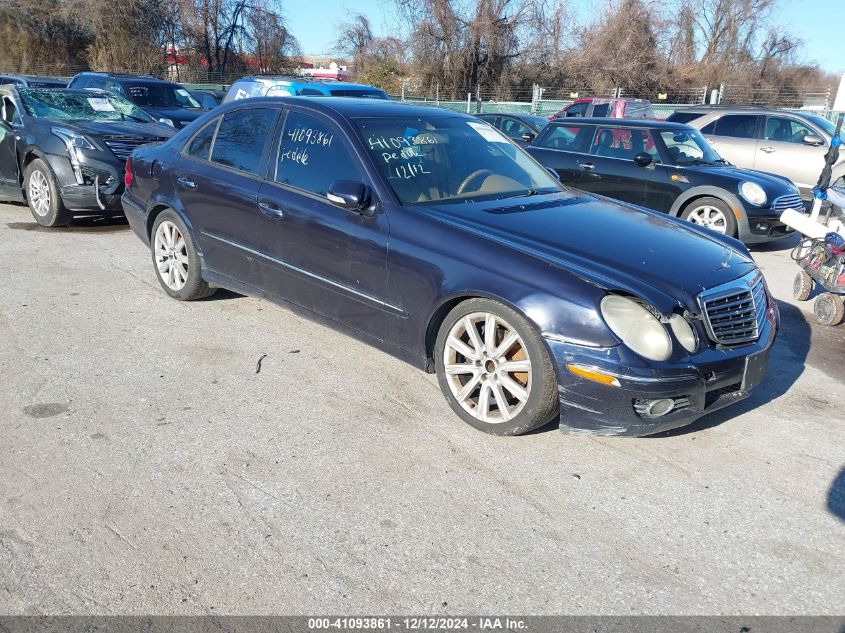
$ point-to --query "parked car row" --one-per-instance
(433, 236)
(790, 144)
(669, 167)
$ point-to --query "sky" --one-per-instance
(819, 23)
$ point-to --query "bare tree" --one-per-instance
(354, 38)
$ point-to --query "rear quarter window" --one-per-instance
(683, 117)
(736, 126)
(571, 138)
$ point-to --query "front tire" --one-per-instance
(711, 213)
(494, 369)
(175, 259)
(42, 195)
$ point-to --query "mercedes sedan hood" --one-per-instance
(661, 259)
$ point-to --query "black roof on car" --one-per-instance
(641, 123)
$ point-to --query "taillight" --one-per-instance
(127, 174)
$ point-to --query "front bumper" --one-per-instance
(715, 379)
(756, 229)
(103, 180)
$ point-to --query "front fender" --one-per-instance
(708, 190)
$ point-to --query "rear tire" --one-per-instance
(494, 369)
(42, 195)
(175, 260)
(829, 309)
(711, 213)
(802, 286)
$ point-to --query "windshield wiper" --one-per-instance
(134, 118)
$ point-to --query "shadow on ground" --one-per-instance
(86, 224)
(776, 245)
(223, 295)
(836, 496)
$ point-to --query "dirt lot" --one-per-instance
(145, 467)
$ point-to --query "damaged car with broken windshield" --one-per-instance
(64, 151)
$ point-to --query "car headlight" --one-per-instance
(638, 328)
(683, 332)
(753, 192)
(167, 121)
(74, 141)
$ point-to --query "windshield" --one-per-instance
(827, 126)
(161, 95)
(450, 159)
(688, 147)
(62, 105)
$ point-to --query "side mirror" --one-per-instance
(554, 174)
(812, 139)
(349, 195)
(643, 159)
(528, 137)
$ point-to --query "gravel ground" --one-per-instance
(146, 468)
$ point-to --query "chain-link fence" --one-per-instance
(536, 99)
(548, 100)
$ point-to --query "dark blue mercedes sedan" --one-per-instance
(431, 235)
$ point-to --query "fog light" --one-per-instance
(762, 226)
(654, 408)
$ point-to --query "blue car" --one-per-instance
(263, 86)
(429, 234)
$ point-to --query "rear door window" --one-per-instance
(736, 126)
(601, 109)
(241, 138)
(313, 154)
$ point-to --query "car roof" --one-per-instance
(607, 122)
(516, 115)
(352, 106)
(726, 108)
(129, 77)
(305, 81)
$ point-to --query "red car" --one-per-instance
(614, 108)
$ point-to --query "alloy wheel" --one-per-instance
(39, 193)
(171, 255)
(487, 367)
(709, 217)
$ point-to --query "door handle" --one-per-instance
(768, 150)
(271, 209)
(186, 182)
(586, 166)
